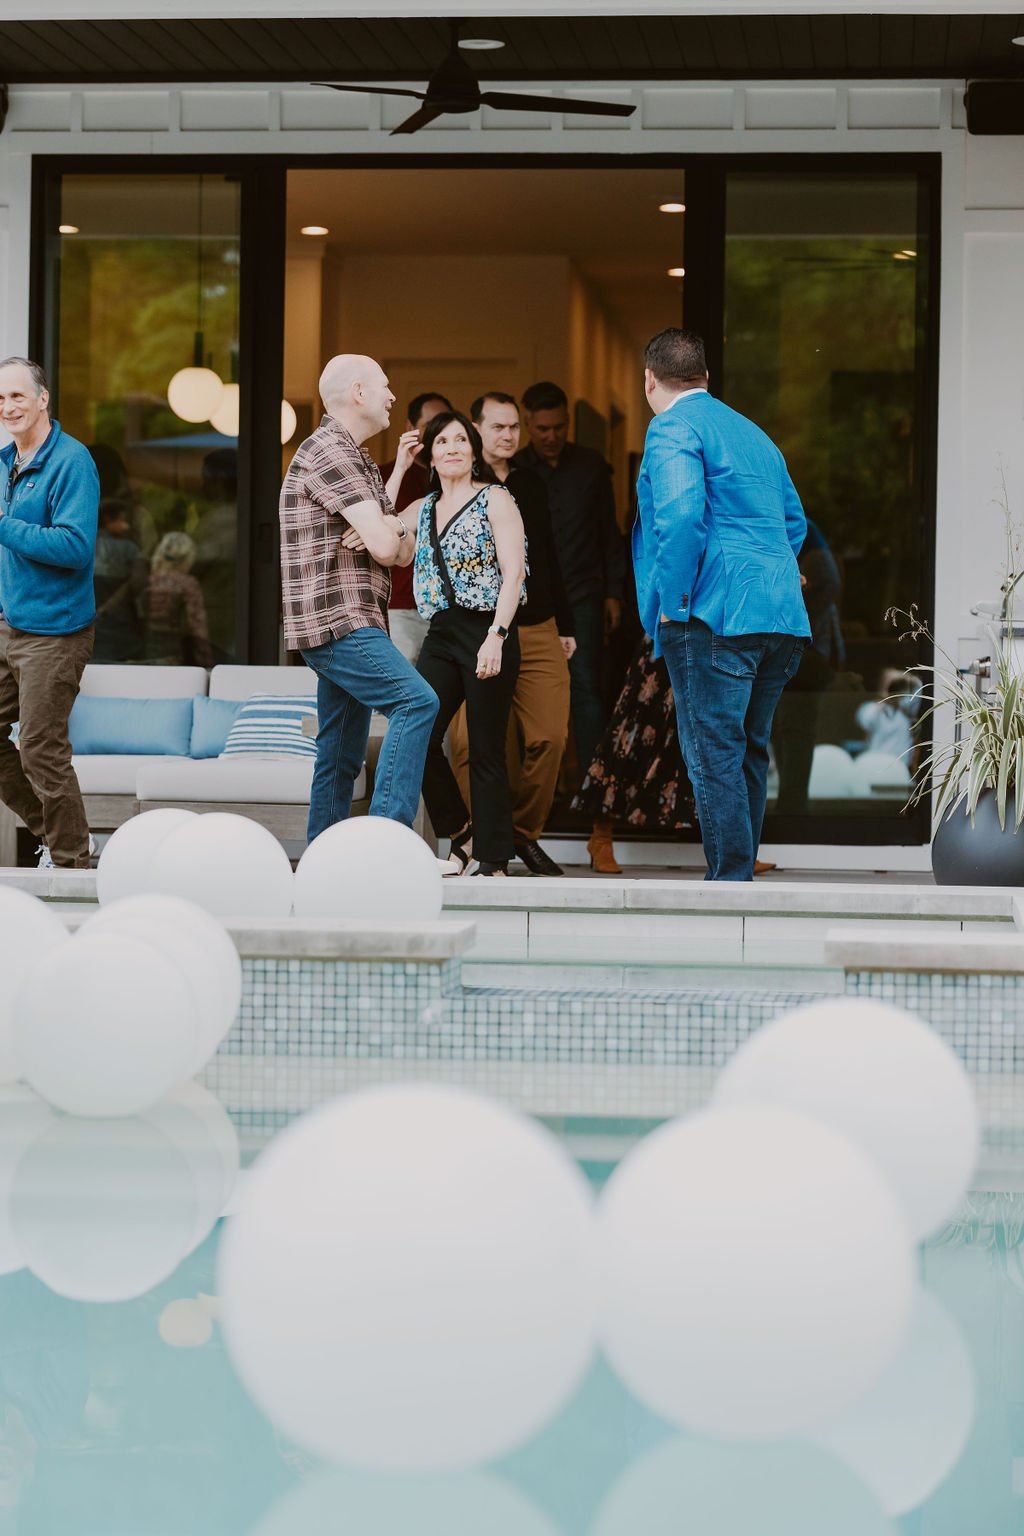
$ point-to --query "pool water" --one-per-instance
(125, 1418)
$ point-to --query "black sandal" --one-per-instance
(460, 849)
(487, 867)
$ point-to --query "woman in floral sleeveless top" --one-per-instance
(469, 581)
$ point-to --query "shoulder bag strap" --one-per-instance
(442, 565)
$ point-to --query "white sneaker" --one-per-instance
(45, 862)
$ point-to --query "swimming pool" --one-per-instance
(125, 1417)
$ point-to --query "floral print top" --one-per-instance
(467, 544)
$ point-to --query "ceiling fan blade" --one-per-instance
(372, 90)
(514, 102)
(420, 118)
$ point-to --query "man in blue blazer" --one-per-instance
(718, 529)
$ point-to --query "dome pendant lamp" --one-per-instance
(194, 393)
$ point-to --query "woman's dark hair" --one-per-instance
(481, 470)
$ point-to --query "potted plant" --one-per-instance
(978, 777)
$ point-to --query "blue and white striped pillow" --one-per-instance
(274, 725)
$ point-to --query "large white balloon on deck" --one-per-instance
(125, 866)
(340, 1500)
(106, 1026)
(409, 1282)
(756, 1271)
(197, 943)
(906, 1436)
(231, 865)
(881, 1077)
(29, 931)
(369, 867)
(707, 1488)
(102, 1210)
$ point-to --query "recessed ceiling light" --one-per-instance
(480, 44)
(67, 229)
(903, 255)
(1018, 40)
(677, 271)
(671, 207)
(314, 229)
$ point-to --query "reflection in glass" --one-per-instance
(125, 292)
(825, 304)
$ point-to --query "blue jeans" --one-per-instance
(726, 689)
(586, 702)
(356, 675)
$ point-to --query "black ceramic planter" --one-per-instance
(982, 854)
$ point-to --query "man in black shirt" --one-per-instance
(540, 705)
(591, 555)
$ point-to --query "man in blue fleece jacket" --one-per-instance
(49, 501)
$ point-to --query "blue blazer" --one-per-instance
(719, 525)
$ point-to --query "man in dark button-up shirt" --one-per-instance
(591, 551)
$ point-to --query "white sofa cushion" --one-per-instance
(102, 773)
(248, 780)
(233, 682)
(107, 680)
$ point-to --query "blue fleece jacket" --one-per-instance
(48, 537)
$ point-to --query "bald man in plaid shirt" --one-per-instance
(339, 537)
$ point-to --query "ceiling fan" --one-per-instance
(454, 87)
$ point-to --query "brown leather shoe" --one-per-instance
(602, 851)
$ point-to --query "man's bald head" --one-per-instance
(355, 392)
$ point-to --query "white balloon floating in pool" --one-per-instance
(106, 1026)
(369, 867)
(757, 1273)
(125, 866)
(879, 1076)
(102, 1210)
(408, 1285)
(198, 944)
(708, 1488)
(906, 1436)
(202, 1130)
(228, 864)
(373, 1504)
(29, 931)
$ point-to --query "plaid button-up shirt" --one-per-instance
(328, 590)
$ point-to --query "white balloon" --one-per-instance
(106, 1027)
(125, 866)
(831, 775)
(879, 1076)
(708, 1488)
(200, 947)
(369, 867)
(231, 865)
(372, 1504)
(906, 1436)
(408, 1284)
(757, 1273)
(203, 1131)
(185, 1324)
(29, 930)
(102, 1210)
(23, 1117)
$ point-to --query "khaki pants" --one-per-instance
(39, 678)
(538, 728)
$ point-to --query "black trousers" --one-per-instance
(448, 663)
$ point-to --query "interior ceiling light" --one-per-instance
(677, 271)
(671, 207)
(314, 229)
(480, 44)
(1018, 40)
(903, 255)
(194, 394)
(67, 229)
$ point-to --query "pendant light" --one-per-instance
(225, 417)
(195, 393)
